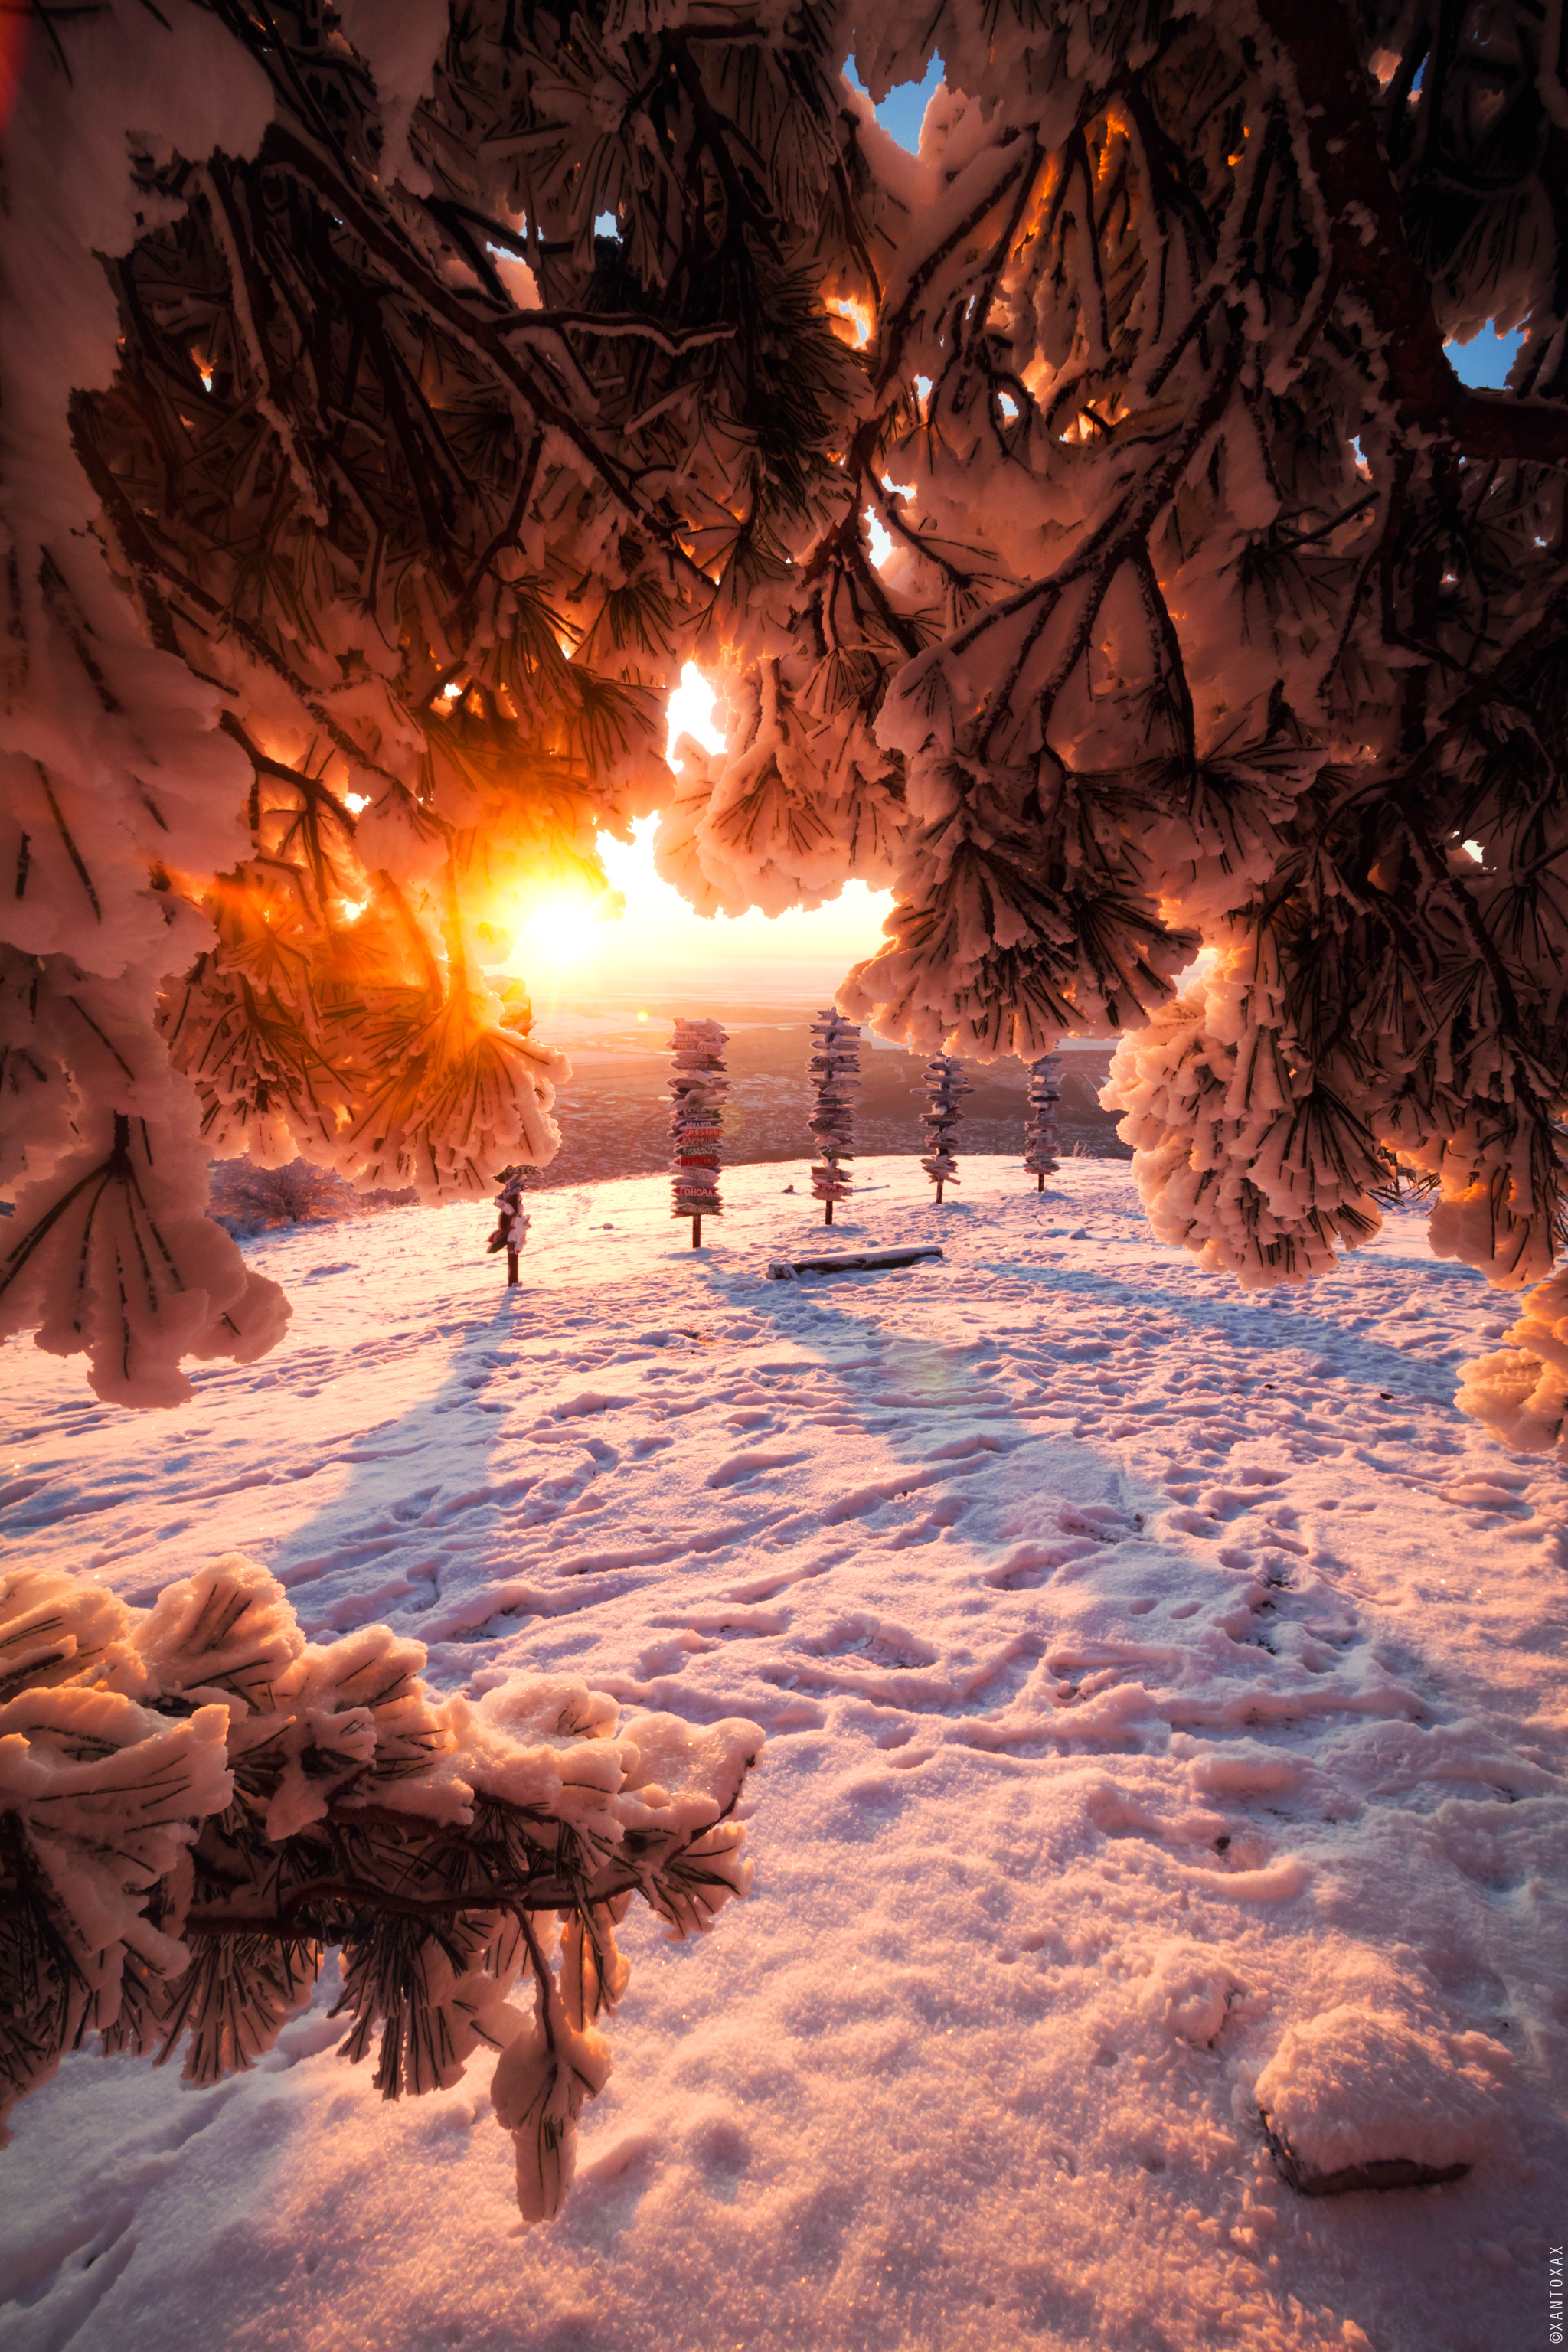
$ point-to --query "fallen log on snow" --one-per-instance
(785, 1269)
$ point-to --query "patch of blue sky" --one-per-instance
(1485, 360)
(902, 111)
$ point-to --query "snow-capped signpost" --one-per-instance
(943, 1083)
(1040, 1127)
(835, 1074)
(697, 1088)
(512, 1222)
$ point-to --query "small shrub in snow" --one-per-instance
(513, 1221)
(195, 1803)
(1521, 1392)
(248, 1199)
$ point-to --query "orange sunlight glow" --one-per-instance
(558, 931)
(855, 315)
(572, 948)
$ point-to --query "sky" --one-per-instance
(659, 944)
(1486, 359)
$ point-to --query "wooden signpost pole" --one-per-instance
(835, 1069)
(697, 1089)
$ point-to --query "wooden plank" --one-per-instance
(849, 1262)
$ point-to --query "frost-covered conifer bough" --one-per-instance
(1041, 1125)
(835, 1069)
(1243, 621)
(361, 502)
(1218, 610)
(943, 1082)
(195, 1803)
(697, 1090)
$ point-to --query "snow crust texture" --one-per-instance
(1163, 1724)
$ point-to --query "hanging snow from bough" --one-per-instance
(200, 1803)
(104, 1257)
(944, 1082)
(835, 1071)
(1040, 1127)
(697, 1087)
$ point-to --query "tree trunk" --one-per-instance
(511, 1269)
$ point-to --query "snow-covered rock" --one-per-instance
(1362, 2098)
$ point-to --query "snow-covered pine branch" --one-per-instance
(943, 1083)
(1521, 1392)
(1041, 1125)
(697, 1090)
(196, 1804)
(353, 491)
(1218, 612)
(834, 1068)
(1252, 622)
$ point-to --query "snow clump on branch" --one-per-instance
(195, 1803)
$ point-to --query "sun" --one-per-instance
(560, 930)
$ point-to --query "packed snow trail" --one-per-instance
(1151, 1671)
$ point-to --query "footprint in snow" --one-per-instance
(875, 1640)
(742, 1467)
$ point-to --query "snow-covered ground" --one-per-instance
(1159, 1683)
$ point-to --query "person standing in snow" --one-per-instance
(511, 1222)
